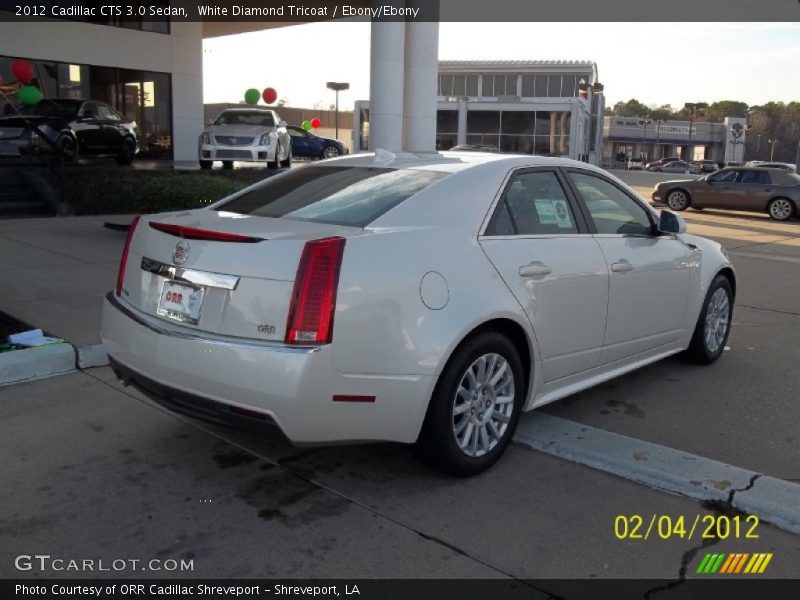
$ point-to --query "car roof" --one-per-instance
(452, 162)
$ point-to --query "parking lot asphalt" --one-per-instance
(92, 468)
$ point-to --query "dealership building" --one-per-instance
(629, 137)
(550, 108)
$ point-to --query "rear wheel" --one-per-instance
(206, 164)
(68, 149)
(714, 323)
(678, 200)
(227, 164)
(475, 407)
(781, 209)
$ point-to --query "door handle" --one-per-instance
(534, 269)
(623, 266)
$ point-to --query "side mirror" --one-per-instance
(281, 123)
(209, 122)
(671, 223)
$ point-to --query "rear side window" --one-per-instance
(534, 203)
(759, 177)
(353, 196)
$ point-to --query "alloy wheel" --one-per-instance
(330, 152)
(780, 209)
(483, 405)
(677, 200)
(717, 319)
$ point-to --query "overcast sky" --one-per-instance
(656, 63)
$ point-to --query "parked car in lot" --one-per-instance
(707, 166)
(636, 164)
(308, 145)
(76, 128)
(773, 165)
(677, 166)
(652, 166)
(419, 299)
(774, 191)
(474, 148)
(246, 135)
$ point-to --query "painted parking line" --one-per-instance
(764, 256)
(773, 500)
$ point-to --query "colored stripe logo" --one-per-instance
(734, 563)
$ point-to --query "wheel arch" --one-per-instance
(728, 273)
(784, 197)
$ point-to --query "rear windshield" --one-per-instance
(353, 196)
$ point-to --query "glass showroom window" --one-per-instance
(516, 128)
(146, 97)
(446, 129)
(483, 127)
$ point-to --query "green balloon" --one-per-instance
(306, 125)
(251, 96)
(29, 94)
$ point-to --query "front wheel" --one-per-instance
(678, 200)
(714, 323)
(127, 151)
(206, 164)
(227, 164)
(330, 152)
(67, 148)
(288, 162)
(275, 164)
(781, 209)
(475, 407)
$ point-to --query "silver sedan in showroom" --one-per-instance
(426, 299)
(246, 135)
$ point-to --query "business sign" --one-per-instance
(676, 129)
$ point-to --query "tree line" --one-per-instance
(774, 132)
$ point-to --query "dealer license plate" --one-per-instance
(181, 302)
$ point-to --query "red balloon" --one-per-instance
(315, 123)
(22, 70)
(269, 95)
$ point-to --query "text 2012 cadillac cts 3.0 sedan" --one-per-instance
(411, 298)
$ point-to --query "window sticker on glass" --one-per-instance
(554, 212)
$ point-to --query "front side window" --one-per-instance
(534, 203)
(726, 176)
(353, 196)
(611, 210)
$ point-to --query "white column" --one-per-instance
(420, 86)
(386, 85)
(462, 123)
(187, 92)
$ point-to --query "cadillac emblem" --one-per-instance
(181, 252)
(737, 129)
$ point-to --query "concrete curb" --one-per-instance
(34, 363)
(92, 356)
(663, 468)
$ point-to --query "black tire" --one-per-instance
(678, 200)
(330, 152)
(68, 148)
(288, 162)
(437, 444)
(699, 350)
(227, 164)
(206, 164)
(781, 209)
(127, 151)
(275, 164)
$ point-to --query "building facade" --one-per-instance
(629, 137)
(550, 108)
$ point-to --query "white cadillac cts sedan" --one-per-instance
(427, 299)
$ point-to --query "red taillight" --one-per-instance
(194, 233)
(124, 260)
(314, 295)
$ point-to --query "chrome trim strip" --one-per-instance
(216, 280)
(207, 338)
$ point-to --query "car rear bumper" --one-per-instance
(291, 387)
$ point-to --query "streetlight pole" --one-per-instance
(692, 107)
(773, 141)
(337, 87)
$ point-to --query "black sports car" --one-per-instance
(72, 128)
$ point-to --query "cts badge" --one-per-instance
(181, 252)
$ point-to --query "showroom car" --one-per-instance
(308, 145)
(635, 164)
(425, 299)
(652, 166)
(246, 135)
(773, 191)
(74, 128)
